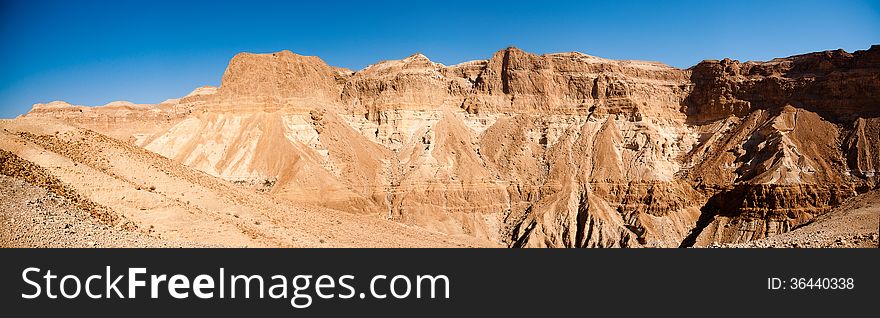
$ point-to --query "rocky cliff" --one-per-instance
(784, 140)
(554, 150)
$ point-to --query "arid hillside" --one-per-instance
(519, 150)
(66, 186)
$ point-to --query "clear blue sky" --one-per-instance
(92, 53)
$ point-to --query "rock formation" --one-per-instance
(525, 150)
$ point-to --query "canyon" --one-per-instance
(518, 150)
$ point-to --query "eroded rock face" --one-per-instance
(862, 148)
(555, 150)
(514, 80)
(835, 84)
(280, 76)
(786, 140)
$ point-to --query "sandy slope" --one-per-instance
(140, 191)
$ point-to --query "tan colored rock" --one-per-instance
(279, 76)
(163, 201)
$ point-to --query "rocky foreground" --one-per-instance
(519, 150)
(34, 217)
(853, 224)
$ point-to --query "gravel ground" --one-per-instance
(31, 216)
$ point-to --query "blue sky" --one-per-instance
(95, 52)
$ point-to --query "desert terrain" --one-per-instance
(518, 150)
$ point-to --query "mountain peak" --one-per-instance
(281, 74)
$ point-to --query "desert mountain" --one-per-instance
(523, 150)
